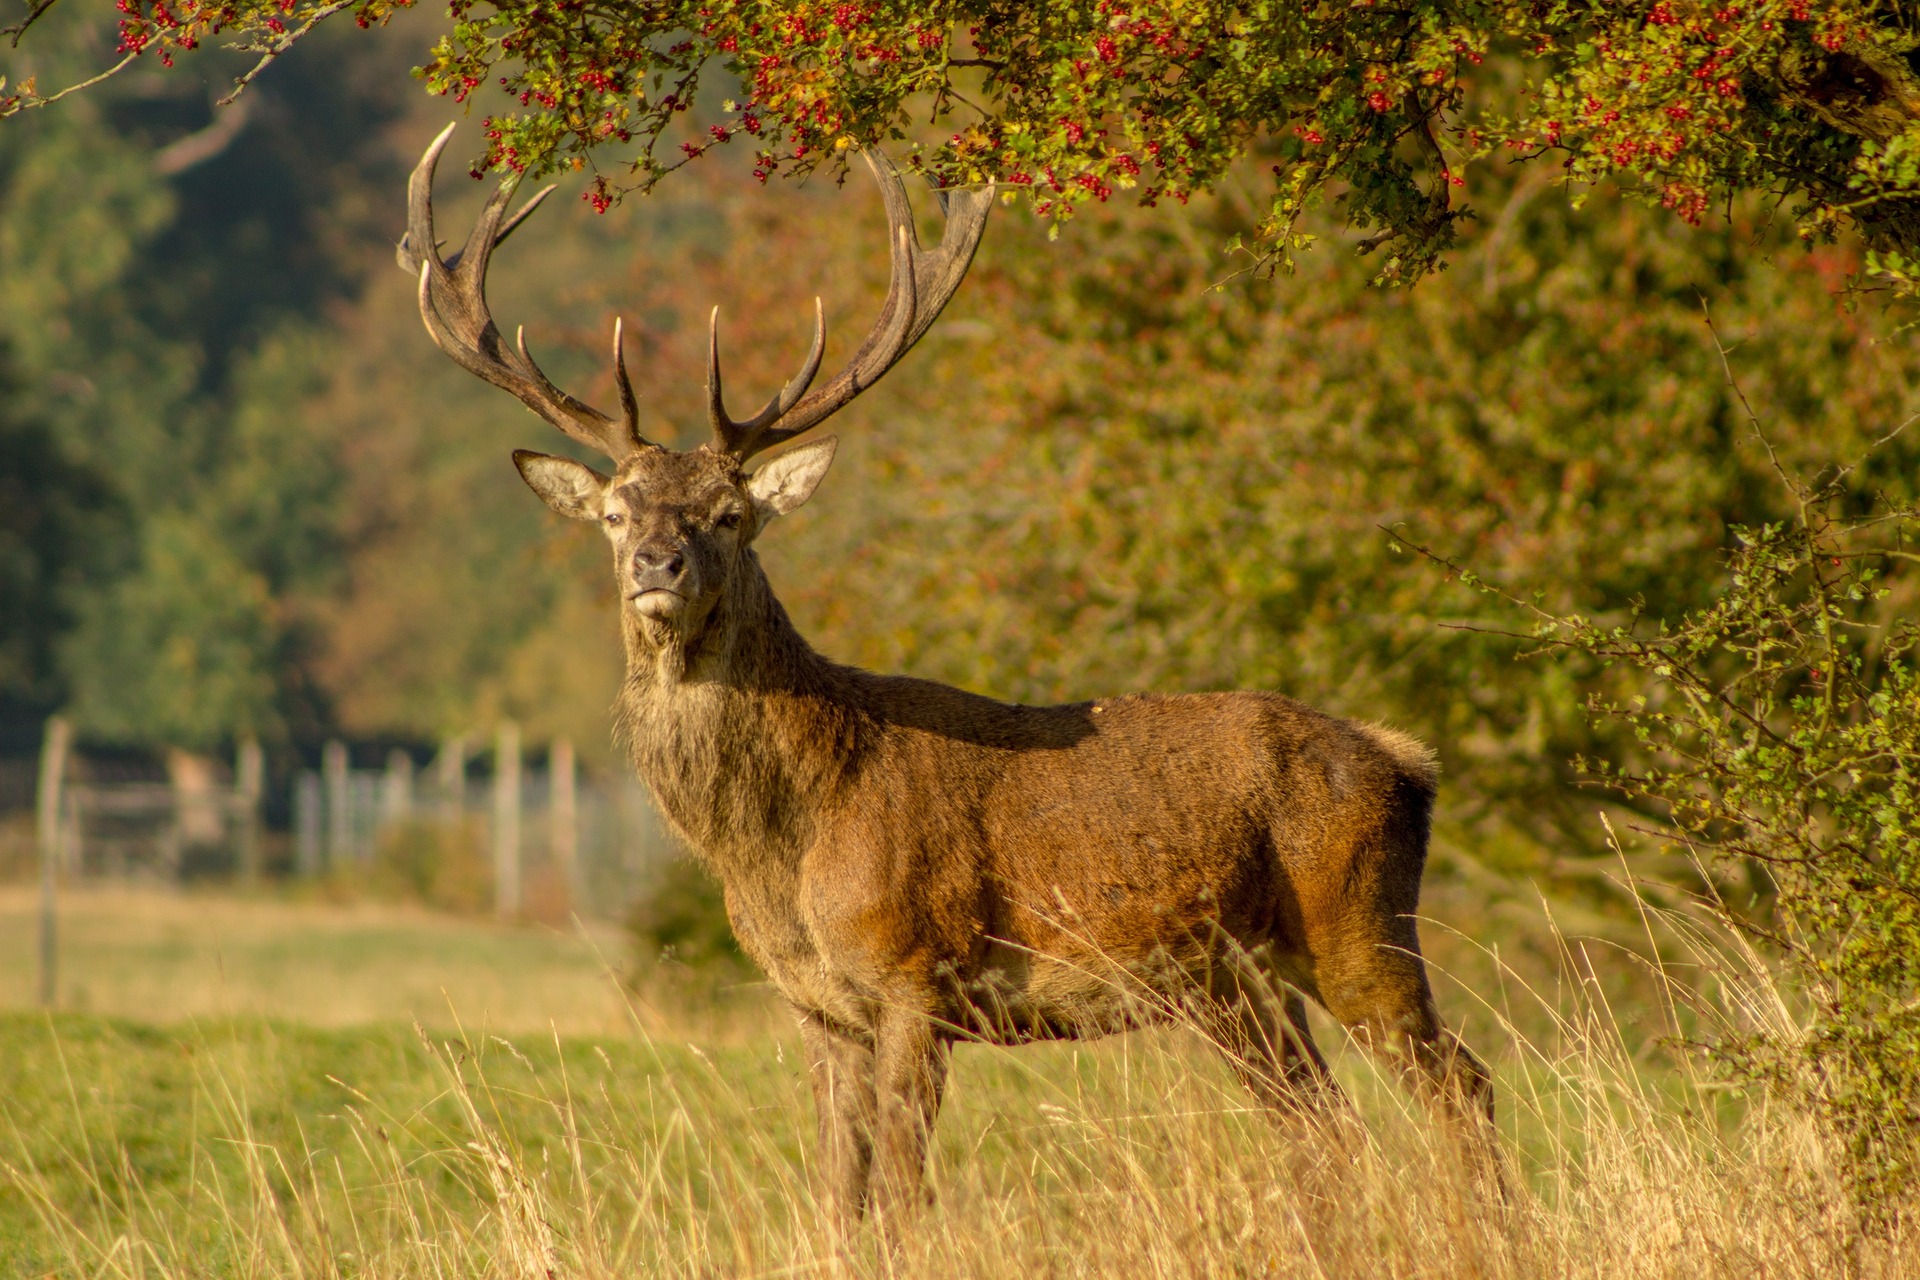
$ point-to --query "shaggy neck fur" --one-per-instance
(742, 731)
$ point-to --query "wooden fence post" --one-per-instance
(450, 779)
(506, 821)
(336, 780)
(563, 819)
(53, 773)
(249, 785)
(306, 824)
(396, 792)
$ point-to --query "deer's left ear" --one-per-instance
(791, 478)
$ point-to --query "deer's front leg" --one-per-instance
(910, 1072)
(840, 1069)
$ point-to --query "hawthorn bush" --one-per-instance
(1778, 735)
(1686, 102)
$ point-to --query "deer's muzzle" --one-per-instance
(657, 581)
(659, 603)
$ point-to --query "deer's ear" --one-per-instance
(791, 478)
(574, 489)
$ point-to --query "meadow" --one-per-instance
(276, 1088)
(167, 957)
(263, 503)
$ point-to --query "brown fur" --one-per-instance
(912, 864)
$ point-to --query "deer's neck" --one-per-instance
(742, 732)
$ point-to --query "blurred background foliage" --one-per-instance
(244, 494)
(164, 317)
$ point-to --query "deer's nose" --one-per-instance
(665, 562)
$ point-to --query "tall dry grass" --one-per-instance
(1136, 1156)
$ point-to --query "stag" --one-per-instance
(914, 865)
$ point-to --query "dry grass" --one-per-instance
(237, 1149)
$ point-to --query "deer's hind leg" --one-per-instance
(1264, 1034)
(910, 1074)
(1377, 987)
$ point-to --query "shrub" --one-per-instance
(436, 864)
(1778, 732)
(680, 924)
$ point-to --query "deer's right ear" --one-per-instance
(574, 489)
(791, 478)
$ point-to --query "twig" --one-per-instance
(1470, 577)
(1496, 631)
(1847, 470)
(1804, 496)
(280, 46)
(19, 28)
(947, 90)
(1753, 419)
(28, 101)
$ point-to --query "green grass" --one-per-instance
(113, 1130)
(330, 1145)
(164, 956)
(252, 1147)
(111, 1127)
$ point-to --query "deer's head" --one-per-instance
(680, 522)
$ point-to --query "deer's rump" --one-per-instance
(1059, 871)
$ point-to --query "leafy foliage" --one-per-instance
(158, 330)
(1685, 101)
(1778, 730)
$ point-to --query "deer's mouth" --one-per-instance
(661, 603)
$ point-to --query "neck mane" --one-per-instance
(741, 730)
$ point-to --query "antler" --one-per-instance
(922, 283)
(453, 303)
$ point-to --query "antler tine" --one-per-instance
(453, 305)
(741, 437)
(725, 430)
(420, 211)
(408, 252)
(921, 284)
(629, 407)
(506, 228)
(534, 201)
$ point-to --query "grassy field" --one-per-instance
(166, 957)
(246, 1094)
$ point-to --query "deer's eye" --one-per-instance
(731, 520)
(614, 519)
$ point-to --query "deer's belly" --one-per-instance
(1018, 994)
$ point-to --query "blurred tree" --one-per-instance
(163, 313)
(47, 503)
(1097, 473)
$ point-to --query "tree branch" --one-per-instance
(19, 28)
(273, 51)
(29, 100)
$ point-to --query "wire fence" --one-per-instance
(477, 825)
